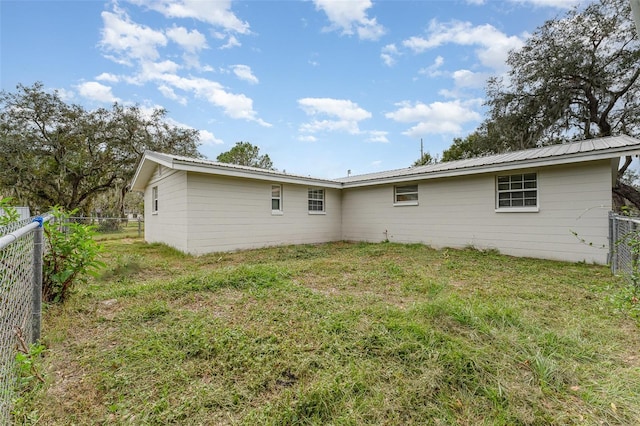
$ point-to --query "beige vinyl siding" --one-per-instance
(228, 214)
(459, 212)
(167, 225)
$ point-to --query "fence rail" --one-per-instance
(21, 249)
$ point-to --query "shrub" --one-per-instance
(8, 213)
(70, 256)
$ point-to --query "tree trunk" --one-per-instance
(623, 192)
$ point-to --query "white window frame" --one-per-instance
(517, 192)
(279, 211)
(405, 195)
(313, 198)
(154, 200)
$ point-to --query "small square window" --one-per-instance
(405, 194)
(517, 191)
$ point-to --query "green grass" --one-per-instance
(343, 334)
(131, 229)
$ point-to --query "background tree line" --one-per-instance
(575, 78)
(56, 154)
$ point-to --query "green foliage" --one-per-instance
(425, 160)
(28, 362)
(71, 255)
(246, 154)
(54, 153)
(29, 365)
(9, 213)
(474, 145)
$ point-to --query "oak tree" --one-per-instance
(576, 77)
(58, 154)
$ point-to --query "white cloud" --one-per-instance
(66, 95)
(97, 92)
(243, 72)
(378, 136)
(151, 70)
(105, 76)
(316, 126)
(342, 108)
(191, 41)
(466, 78)
(217, 13)
(307, 138)
(389, 54)
(344, 115)
(433, 70)
(493, 45)
(231, 43)
(437, 117)
(128, 40)
(351, 17)
(171, 94)
(236, 106)
(207, 138)
(133, 44)
(558, 4)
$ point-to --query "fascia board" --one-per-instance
(254, 174)
(142, 175)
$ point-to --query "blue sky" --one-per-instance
(322, 86)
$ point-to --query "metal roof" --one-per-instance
(573, 152)
(178, 162)
(586, 150)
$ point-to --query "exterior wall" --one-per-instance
(573, 200)
(228, 214)
(169, 224)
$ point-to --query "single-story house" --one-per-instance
(551, 202)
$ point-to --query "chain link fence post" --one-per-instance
(38, 250)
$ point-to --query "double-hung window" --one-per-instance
(405, 195)
(316, 200)
(276, 199)
(154, 199)
(517, 192)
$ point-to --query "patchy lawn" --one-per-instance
(338, 334)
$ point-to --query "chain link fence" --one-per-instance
(21, 248)
(123, 226)
(623, 231)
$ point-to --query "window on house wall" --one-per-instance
(316, 200)
(517, 191)
(405, 194)
(276, 198)
(154, 199)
